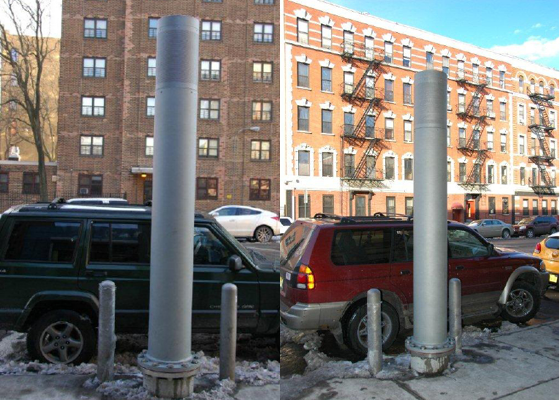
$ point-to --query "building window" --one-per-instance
(210, 70)
(553, 118)
(93, 106)
(477, 175)
(503, 114)
(429, 60)
(348, 42)
(388, 58)
(4, 182)
(327, 162)
(303, 31)
(503, 142)
(30, 183)
(475, 73)
(504, 174)
(535, 207)
(263, 33)
(260, 150)
(326, 36)
(152, 27)
(348, 83)
(303, 75)
(149, 146)
(304, 206)
(94, 67)
(462, 172)
(151, 66)
(328, 204)
(522, 176)
(262, 72)
(490, 141)
(210, 109)
(544, 207)
(491, 205)
(95, 28)
(489, 76)
(408, 206)
(553, 207)
(390, 168)
(207, 188)
(534, 177)
(460, 69)
(90, 185)
(259, 189)
(505, 206)
(211, 30)
(208, 148)
(448, 171)
(502, 79)
(533, 145)
(262, 111)
(303, 118)
(525, 207)
(408, 131)
(326, 121)
(349, 165)
(521, 114)
(408, 175)
(448, 136)
(150, 106)
(445, 63)
(326, 79)
(407, 93)
(390, 203)
(490, 173)
(304, 163)
(369, 47)
(521, 84)
(370, 87)
(476, 106)
(264, 2)
(490, 108)
(370, 127)
(462, 137)
(553, 148)
(348, 123)
(91, 145)
(521, 144)
(531, 116)
(389, 129)
(461, 108)
(389, 90)
(406, 56)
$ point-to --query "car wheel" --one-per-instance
(530, 233)
(506, 234)
(61, 337)
(356, 329)
(263, 234)
(553, 231)
(522, 303)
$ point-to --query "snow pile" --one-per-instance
(12, 347)
(311, 340)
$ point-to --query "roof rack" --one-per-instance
(54, 204)
(377, 217)
(326, 216)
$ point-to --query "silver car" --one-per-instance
(492, 228)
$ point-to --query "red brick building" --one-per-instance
(106, 108)
(347, 132)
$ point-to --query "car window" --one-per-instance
(208, 249)
(552, 243)
(43, 241)
(403, 250)
(353, 247)
(121, 243)
(247, 211)
(285, 221)
(227, 211)
(463, 244)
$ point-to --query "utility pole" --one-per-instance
(430, 346)
(168, 366)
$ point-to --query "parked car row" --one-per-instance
(529, 227)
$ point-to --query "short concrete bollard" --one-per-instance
(375, 334)
(228, 331)
(106, 332)
(455, 313)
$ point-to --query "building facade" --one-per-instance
(347, 129)
(107, 102)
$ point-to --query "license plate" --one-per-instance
(553, 278)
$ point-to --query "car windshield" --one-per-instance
(525, 221)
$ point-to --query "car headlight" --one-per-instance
(522, 227)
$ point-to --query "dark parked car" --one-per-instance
(53, 257)
(328, 265)
(536, 226)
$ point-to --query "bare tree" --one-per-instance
(25, 51)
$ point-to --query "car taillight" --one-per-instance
(276, 218)
(305, 278)
(538, 248)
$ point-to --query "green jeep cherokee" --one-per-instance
(53, 257)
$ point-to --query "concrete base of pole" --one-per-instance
(168, 380)
(427, 360)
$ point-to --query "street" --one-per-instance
(270, 250)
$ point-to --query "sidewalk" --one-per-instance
(521, 364)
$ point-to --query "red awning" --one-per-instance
(456, 206)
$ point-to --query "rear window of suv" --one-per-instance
(294, 242)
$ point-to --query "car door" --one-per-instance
(227, 217)
(247, 220)
(119, 250)
(496, 228)
(212, 249)
(402, 262)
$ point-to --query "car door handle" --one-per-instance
(460, 267)
(96, 273)
(405, 272)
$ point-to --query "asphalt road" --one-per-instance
(522, 244)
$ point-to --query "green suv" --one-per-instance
(53, 257)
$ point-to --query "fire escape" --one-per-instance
(362, 134)
(542, 128)
(471, 146)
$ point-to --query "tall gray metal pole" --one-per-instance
(430, 346)
(168, 365)
(228, 331)
(107, 339)
(455, 313)
(375, 334)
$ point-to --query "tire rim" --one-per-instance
(263, 235)
(520, 303)
(386, 328)
(61, 342)
(505, 234)
(530, 234)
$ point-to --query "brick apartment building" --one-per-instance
(347, 130)
(106, 103)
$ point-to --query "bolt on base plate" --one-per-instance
(430, 360)
(174, 380)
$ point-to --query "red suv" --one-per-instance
(329, 263)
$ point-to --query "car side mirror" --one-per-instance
(491, 248)
(235, 264)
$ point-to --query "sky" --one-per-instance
(523, 28)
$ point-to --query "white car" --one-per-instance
(248, 222)
(286, 222)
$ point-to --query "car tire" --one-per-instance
(506, 234)
(530, 233)
(357, 323)
(263, 234)
(522, 303)
(79, 341)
